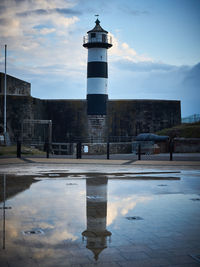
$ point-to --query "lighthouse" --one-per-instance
(97, 41)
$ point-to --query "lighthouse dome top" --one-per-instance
(97, 28)
(97, 37)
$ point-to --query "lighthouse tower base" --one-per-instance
(97, 128)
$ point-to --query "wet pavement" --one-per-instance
(124, 163)
(97, 214)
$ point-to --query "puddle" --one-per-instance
(54, 175)
(84, 218)
(33, 232)
(195, 199)
(196, 257)
(134, 218)
(71, 184)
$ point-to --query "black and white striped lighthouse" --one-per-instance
(97, 42)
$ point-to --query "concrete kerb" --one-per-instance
(5, 161)
(166, 163)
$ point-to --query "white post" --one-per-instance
(5, 87)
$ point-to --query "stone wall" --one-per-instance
(97, 128)
(14, 86)
(131, 117)
(18, 109)
(181, 145)
(101, 148)
(70, 122)
(186, 145)
(69, 119)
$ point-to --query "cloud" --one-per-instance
(63, 11)
(125, 58)
(144, 66)
(121, 206)
(40, 36)
(45, 31)
(10, 27)
(122, 51)
(68, 11)
(155, 81)
(26, 15)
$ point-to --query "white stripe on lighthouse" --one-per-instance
(97, 54)
(97, 86)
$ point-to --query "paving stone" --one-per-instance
(184, 265)
(108, 257)
(145, 263)
(159, 253)
(184, 259)
(135, 248)
(102, 264)
(134, 256)
(4, 263)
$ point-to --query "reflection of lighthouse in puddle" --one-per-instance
(96, 233)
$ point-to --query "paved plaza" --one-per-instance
(98, 212)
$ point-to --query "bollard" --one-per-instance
(78, 150)
(18, 149)
(139, 152)
(171, 148)
(47, 150)
(108, 150)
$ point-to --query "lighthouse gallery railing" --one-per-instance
(107, 39)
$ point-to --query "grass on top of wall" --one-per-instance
(186, 130)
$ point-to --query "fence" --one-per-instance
(79, 149)
(191, 119)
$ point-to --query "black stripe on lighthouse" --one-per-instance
(97, 104)
(97, 69)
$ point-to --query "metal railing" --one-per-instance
(191, 119)
(107, 39)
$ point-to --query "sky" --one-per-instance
(155, 53)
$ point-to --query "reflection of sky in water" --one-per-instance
(58, 207)
(51, 205)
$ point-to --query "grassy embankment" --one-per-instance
(26, 151)
(186, 130)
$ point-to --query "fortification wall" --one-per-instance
(187, 145)
(20, 108)
(69, 119)
(131, 117)
(70, 122)
(15, 86)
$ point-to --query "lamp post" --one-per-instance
(5, 87)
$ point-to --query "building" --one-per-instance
(15, 86)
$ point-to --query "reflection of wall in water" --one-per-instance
(15, 185)
(96, 233)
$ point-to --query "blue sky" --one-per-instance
(155, 53)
